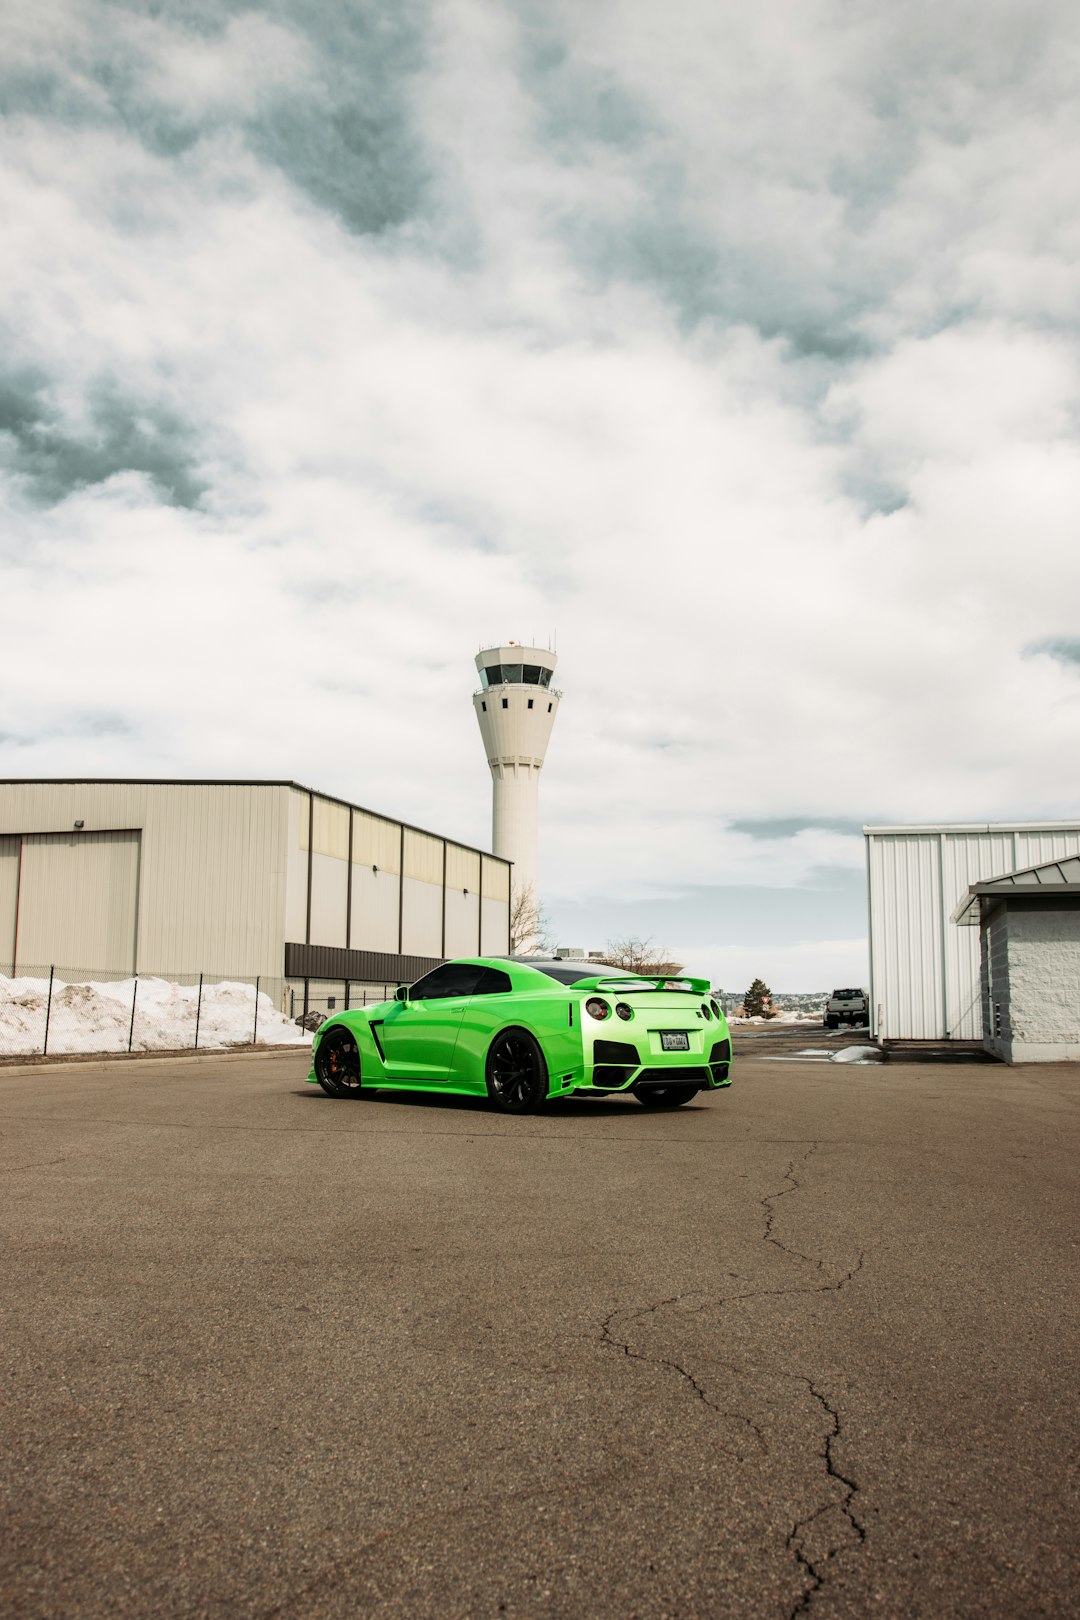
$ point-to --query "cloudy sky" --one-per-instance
(734, 345)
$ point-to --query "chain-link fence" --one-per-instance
(53, 1010)
(312, 1001)
(49, 1010)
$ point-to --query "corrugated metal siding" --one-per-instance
(462, 869)
(9, 894)
(375, 898)
(925, 972)
(378, 967)
(967, 858)
(423, 857)
(496, 885)
(421, 930)
(330, 829)
(212, 867)
(78, 897)
(462, 921)
(1032, 848)
(494, 927)
(329, 899)
(376, 842)
(906, 939)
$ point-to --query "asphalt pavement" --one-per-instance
(805, 1347)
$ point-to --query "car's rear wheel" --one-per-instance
(666, 1096)
(337, 1064)
(517, 1077)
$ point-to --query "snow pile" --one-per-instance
(777, 1018)
(816, 1051)
(95, 1017)
(858, 1054)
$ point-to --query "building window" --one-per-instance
(530, 703)
(483, 705)
(549, 708)
(506, 703)
(514, 675)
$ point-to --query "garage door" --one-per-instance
(77, 901)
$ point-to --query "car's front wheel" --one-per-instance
(517, 1077)
(666, 1096)
(337, 1063)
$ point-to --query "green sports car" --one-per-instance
(522, 1029)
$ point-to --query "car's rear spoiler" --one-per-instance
(668, 981)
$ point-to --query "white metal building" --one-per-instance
(924, 970)
(234, 879)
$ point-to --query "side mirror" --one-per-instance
(401, 993)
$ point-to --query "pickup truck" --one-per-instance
(847, 1007)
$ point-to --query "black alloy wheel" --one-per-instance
(666, 1096)
(517, 1077)
(337, 1064)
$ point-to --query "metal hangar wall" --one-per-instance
(233, 877)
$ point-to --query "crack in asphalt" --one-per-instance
(608, 1338)
(769, 1202)
(815, 1566)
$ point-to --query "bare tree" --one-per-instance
(638, 956)
(530, 931)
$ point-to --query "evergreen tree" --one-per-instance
(757, 1003)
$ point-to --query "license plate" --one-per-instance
(674, 1040)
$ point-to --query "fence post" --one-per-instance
(48, 1014)
(255, 1031)
(198, 1013)
(134, 993)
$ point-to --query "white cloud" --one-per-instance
(737, 349)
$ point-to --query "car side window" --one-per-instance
(493, 983)
(452, 979)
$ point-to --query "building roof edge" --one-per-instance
(239, 781)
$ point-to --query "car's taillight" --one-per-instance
(705, 1009)
(623, 1010)
(716, 1009)
(597, 1008)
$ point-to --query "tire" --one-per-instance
(831, 1023)
(666, 1096)
(337, 1063)
(516, 1074)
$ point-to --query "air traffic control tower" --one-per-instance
(516, 708)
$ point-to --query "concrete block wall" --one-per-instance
(1044, 982)
(1031, 974)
